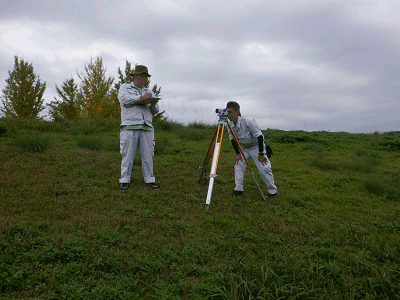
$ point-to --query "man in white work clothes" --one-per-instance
(136, 126)
(252, 143)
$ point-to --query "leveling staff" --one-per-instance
(251, 140)
(136, 127)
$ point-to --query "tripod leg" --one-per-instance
(214, 165)
(262, 194)
(207, 158)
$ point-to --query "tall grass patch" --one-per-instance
(92, 142)
(33, 142)
(165, 125)
(97, 142)
(111, 143)
(381, 187)
(17, 125)
(292, 137)
(363, 161)
(368, 154)
(201, 125)
(91, 127)
(324, 163)
(163, 142)
(193, 134)
(360, 165)
(315, 147)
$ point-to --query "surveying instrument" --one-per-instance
(216, 144)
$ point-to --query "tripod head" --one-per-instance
(222, 114)
(223, 120)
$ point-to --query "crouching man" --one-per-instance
(252, 143)
(136, 127)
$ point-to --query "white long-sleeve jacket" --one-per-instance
(246, 131)
(133, 113)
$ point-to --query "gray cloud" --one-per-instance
(309, 65)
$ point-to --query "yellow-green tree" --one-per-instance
(95, 94)
(23, 95)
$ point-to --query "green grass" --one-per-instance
(68, 232)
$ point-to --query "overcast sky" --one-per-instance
(291, 64)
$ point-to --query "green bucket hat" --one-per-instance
(140, 69)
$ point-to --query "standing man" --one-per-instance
(251, 140)
(136, 126)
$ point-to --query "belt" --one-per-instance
(246, 145)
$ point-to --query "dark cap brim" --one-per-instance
(133, 74)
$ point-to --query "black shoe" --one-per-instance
(124, 186)
(153, 185)
(272, 195)
(237, 193)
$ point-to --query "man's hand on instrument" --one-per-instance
(146, 96)
(238, 158)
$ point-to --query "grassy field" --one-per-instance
(68, 232)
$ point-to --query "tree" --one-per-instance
(122, 78)
(68, 107)
(22, 96)
(95, 96)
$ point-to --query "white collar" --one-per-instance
(139, 88)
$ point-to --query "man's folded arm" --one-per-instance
(127, 99)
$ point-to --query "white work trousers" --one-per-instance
(264, 170)
(129, 141)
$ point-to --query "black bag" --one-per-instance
(269, 150)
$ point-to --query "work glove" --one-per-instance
(269, 151)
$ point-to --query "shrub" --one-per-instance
(2, 127)
(32, 142)
(390, 142)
